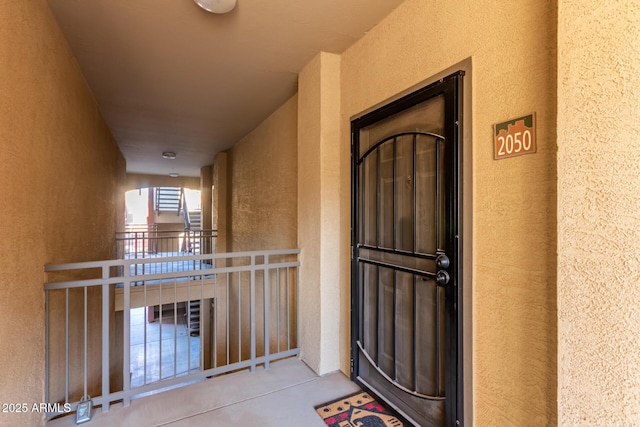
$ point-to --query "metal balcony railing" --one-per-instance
(137, 244)
(251, 297)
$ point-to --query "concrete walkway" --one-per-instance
(283, 395)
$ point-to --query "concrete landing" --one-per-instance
(283, 395)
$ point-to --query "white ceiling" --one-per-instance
(169, 76)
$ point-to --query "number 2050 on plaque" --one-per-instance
(515, 137)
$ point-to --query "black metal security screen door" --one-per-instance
(406, 253)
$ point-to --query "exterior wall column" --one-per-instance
(220, 203)
(319, 212)
(206, 194)
(598, 215)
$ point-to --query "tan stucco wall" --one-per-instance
(319, 212)
(512, 47)
(220, 202)
(255, 208)
(206, 194)
(262, 184)
(598, 213)
(61, 176)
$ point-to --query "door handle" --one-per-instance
(442, 278)
(442, 261)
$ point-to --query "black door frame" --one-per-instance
(451, 88)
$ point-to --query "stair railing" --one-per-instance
(185, 210)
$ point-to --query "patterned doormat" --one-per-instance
(357, 410)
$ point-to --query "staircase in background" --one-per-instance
(193, 318)
(168, 199)
(193, 307)
(195, 220)
(171, 199)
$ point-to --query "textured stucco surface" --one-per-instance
(221, 203)
(255, 198)
(598, 213)
(61, 175)
(309, 205)
(512, 46)
(262, 170)
(319, 190)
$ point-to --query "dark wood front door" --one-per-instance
(406, 293)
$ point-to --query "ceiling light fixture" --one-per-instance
(169, 155)
(174, 175)
(217, 6)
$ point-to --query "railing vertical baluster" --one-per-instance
(160, 331)
(227, 310)
(146, 319)
(145, 240)
(66, 345)
(145, 253)
(278, 307)
(126, 335)
(86, 344)
(298, 306)
(105, 339)
(288, 310)
(252, 312)
(214, 323)
(239, 317)
(175, 328)
(192, 236)
(200, 324)
(188, 311)
(266, 297)
(47, 362)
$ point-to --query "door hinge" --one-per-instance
(351, 366)
(352, 252)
